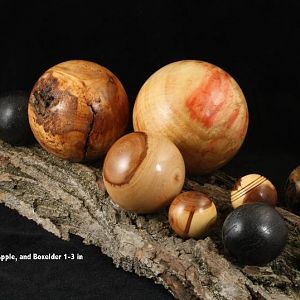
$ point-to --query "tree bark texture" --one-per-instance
(69, 198)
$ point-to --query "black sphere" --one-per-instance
(254, 234)
(14, 125)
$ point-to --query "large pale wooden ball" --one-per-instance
(197, 105)
(77, 110)
(143, 172)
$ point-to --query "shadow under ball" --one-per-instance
(292, 191)
(14, 125)
(253, 188)
(143, 172)
(199, 107)
(191, 214)
(77, 109)
(254, 234)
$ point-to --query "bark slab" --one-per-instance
(69, 198)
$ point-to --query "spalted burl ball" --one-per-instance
(191, 214)
(197, 105)
(14, 125)
(254, 234)
(253, 188)
(292, 191)
(143, 172)
(77, 109)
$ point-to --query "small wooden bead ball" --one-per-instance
(143, 173)
(253, 188)
(191, 214)
(292, 191)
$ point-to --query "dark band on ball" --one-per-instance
(132, 159)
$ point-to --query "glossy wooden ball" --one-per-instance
(253, 188)
(254, 233)
(292, 191)
(191, 214)
(199, 107)
(77, 109)
(143, 172)
(14, 125)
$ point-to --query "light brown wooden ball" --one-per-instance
(77, 109)
(292, 191)
(197, 105)
(253, 188)
(191, 214)
(143, 172)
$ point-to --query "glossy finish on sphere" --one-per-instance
(292, 191)
(14, 125)
(254, 233)
(191, 214)
(142, 172)
(77, 109)
(199, 107)
(253, 188)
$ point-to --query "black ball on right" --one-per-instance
(254, 234)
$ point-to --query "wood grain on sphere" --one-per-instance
(77, 109)
(199, 107)
(292, 191)
(191, 214)
(129, 152)
(253, 188)
(143, 172)
(254, 233)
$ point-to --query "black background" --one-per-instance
(257, 42)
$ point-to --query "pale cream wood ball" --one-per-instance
(191, 214)
(143, 172)
(197, 105)
(253, 188)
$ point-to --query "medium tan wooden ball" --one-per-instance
(197, 105)
(77, 109)
(191, 214)
(143, 172)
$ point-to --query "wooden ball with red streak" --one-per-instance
(197, 105)
(77, 109)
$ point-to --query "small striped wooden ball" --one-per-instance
(191, 214)
(253, 188)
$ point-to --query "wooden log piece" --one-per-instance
(69, 198)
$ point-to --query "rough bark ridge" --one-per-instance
(65, 199)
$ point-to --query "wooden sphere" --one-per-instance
(77, 109)
(292, 191)
(191, 214)
(254, 233)
(143, 172)
(14, 125)
(199, 107)
(253, 188)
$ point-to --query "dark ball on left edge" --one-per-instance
(14, 125)
(254, 234)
